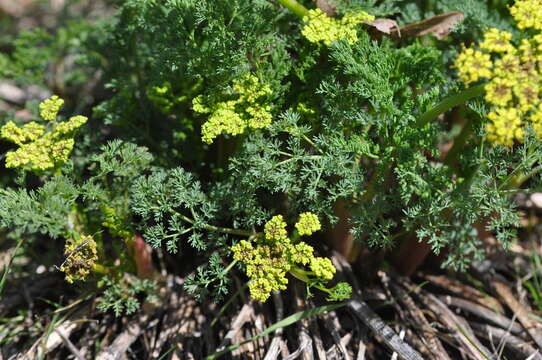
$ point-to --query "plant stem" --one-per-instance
(294, 7)
(300, 274)
(459, 141)
(101, 269)
(217, 228)
(450, 102)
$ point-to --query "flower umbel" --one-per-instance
(274, 255)
(308, 223)
(40, 150)
(234, 116)
(321, 28)
(81, 256)
(514, 73)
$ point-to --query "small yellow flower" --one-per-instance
(49, 108)
(321, 28)
(273, 256)
(40, 150)
(307, 224)
(536, 120)
(499, 91)
(473, 65)
(275, 229)
(497, 41)
(323, 268)
(235, 116)
(81, 256)
(243, 251)
(528, 14)
(300, 253)
(505, 126)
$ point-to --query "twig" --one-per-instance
(514, 343)
(505, 293)
(460, 289)
(433, 344)
(75, 352)
(484, 313)
(122, 342)
(462, 331)
(383, 331)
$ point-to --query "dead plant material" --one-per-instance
(498, 284)
(505, 339)
(438, 26)
(428, 335)
(461, 330)
(463, 290)
(382, 331)
(484, 313)
(327, 6)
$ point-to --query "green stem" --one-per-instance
(301, 275)
(294, 7)
(217, 228)
(101, 269)
(450, 102)
(516, 181)
(459, 141)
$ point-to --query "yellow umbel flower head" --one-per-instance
(235, 116)
(274, 255)
(81, 256)
(40, 150)
(497, 41)
(49, 108)
(323, 268)
(505, 127)
(514, 71)
(275, 229)
(473, 65)
(528, 14)
(308, 223)
(321, 28)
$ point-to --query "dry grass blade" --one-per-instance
(521, 348)
(433, 344)
(461, 329)
(122, 342)
(484, 313)
(463, 290)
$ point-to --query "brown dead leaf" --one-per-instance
(439, 26)
(385, 25)
(327, 6)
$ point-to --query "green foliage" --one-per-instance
(122, 296)
(347, 128)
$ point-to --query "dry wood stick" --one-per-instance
(506, 294)
(122, 342)
(484, 313)
(517, 345)
(435, 347)
(383, 331)
(464, 291)
(462, 331)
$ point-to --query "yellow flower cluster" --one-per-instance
(308, 223)
(513, 73)
(81, 256)
(41, 149)
(528, 14)
(321, 28)
(273, 255)
(234, 116)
